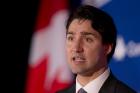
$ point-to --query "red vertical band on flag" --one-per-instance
(36, 78)
(37, 81)
(47, 9)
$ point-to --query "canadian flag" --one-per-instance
(48, 70)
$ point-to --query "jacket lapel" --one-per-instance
(72, 89)
(109, 85)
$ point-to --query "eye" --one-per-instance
(88, 39)
(70, 38)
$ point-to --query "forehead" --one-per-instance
(80, 23)
(80, 26)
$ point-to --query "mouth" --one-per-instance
(78, 59)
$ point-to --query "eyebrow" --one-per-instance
(70, 33)
(83, 34)
(88, 33)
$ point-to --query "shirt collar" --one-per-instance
(94, 85)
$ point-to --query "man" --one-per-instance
(90, 43)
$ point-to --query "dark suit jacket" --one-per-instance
(111, 85)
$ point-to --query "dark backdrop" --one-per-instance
(18, 20)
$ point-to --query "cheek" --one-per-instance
(68, 53)
(68, 48)
(94, 53)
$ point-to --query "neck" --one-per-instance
(85, 79)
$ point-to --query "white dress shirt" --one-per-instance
(94, 85)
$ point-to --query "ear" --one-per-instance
(108, 48)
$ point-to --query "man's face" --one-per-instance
(85, 51)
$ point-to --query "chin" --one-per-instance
(77, 72)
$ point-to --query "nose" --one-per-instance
(78, 46)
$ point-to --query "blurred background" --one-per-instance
(40, 41)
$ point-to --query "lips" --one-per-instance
(78, 58)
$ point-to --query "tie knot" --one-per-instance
(82, 91)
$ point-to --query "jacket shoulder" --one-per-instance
(123, 88)
(114, 85)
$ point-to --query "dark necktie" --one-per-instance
(82, 91)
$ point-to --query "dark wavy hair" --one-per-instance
(100, 21)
